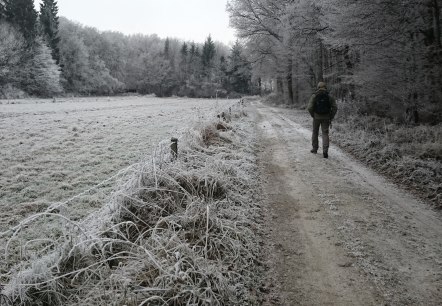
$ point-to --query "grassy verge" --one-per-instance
(179, 231)
(411, 155)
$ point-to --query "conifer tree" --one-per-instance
(2, 10)
(192, 48)
(40, 74)
(184, 69)
(194, 61)
(22, 14)
(239, 70)
(184, 50)
(49, 26)
(167, 48)
(223, 72)
(208, 54)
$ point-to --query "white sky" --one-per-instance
(185, 19)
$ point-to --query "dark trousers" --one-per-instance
(325, 126)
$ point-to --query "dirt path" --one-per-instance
(339, 234)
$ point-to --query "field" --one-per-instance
(100, 212)
(52, 151)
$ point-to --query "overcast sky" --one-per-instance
(185, 19)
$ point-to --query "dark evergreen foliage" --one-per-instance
(49, 26)
(184, 50)
(167, 48)
(22, 14)
(239, 71)
(2, 10)
(223, 72)
(208, 54)
(184, 63)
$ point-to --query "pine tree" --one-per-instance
(167, 48)
(223, 72)
(2, 10)
(194, 62)
(22, 14)
(239, 70)
(207, 57)
(184, 50)
(184, 64)
(49, 24)
(208, 53)
(192, 48)
(41, 75)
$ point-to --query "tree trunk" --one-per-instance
(296, 84)
(326, 66)
(289, 77)
(320, 76)
(438, 51)
(436, 18)
(435, 53)
(279, 86)
(349, 67)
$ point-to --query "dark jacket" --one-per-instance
(311, 107)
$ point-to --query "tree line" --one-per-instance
(42, 54)
(384, 56)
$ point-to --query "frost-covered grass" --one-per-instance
(52, 151)
(175, 232)
(411, 155)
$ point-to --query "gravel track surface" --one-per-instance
(339, 234)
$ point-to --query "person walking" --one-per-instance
(322, 107)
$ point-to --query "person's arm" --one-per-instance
(311, 106)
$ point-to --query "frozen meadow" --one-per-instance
(52, 151)
(165, 230)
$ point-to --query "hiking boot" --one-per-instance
(314, 151)
(325, 155)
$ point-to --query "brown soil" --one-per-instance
(339, 234)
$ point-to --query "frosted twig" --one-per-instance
(207, 231)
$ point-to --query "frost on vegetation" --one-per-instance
(412, 155)
(175, 232)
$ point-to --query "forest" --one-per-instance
(45, 55)
(379, 57)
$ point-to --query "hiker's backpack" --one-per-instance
(322, 103)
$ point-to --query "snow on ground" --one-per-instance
(51, 151)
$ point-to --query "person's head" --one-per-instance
(322, 85)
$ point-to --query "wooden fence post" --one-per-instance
(174, 147)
